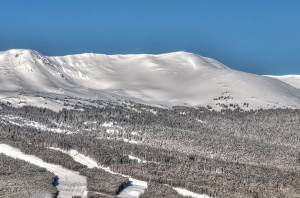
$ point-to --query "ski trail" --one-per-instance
(134, 190)
(70, 183)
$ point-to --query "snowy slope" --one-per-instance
(136, 188)
(169, 79)
(293, 80)
(70, 182)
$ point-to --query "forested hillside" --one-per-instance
(231, 153)
(19, 179)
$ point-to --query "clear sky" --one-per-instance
(259, 36)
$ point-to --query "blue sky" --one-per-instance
(259, 36)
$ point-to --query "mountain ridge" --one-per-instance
(291, 79)
(176, 78)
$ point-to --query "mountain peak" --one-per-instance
(170, 78)
(21, 53)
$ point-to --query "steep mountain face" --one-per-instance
(167, 79)
(293, 80)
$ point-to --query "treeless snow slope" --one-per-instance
(293, 80)
(70, 182)
(169, 79)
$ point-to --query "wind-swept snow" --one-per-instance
(293, 80)
(70, 182)
(178, 78)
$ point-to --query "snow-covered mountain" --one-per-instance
(293, 80)
(177, 78)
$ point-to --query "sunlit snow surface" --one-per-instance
(185, 192)
(137, 159)
(293, 80)
(177, 78)
(70, 182)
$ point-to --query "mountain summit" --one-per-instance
(178, 78)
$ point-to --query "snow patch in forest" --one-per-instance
(22, 122)
(90, 122)
(135, 133)
(187, 193)
(111, 127)
(131, 141)
(112, 131)
(139, 160)
(149, 110)
(108, 124)
(201, 121)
